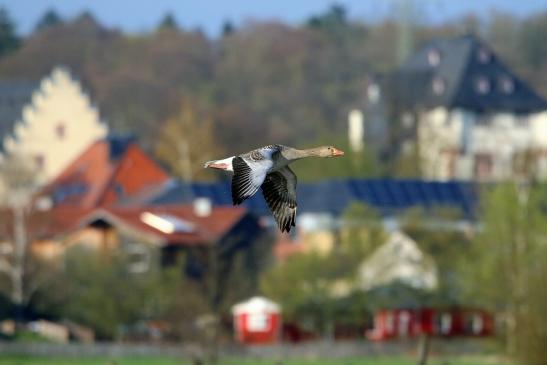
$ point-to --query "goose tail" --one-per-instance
(225, 164)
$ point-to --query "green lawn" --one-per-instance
(170, 361)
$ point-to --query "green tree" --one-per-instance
(50, 19)
(508, 262)
(318, 288)
(531, 42)
(437, 234)
(168, 22)
(9, 41)
(331, 21)
(101, 292)
(228, 28)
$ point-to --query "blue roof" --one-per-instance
(388, 196)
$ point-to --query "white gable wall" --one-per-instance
(58, 125)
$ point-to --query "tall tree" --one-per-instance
(532, 44)
(168, 22)
(509, 258)
(21, 221)
(49, 19)
(187, 140)
(9, 41)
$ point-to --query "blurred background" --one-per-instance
(426, 241)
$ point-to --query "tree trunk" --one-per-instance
(17, 271)
(423, 349)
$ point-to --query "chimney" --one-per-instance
(356, 130)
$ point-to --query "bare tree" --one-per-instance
(19, 178)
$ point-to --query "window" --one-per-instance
(506, 85)
(443, 323)
(433, 57)
(482, 85)
(60, 131)
(483, 56)
(438, 85)
(373, 93)
(39, 160)
(138, 258)
(483, 166)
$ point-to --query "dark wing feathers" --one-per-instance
(251, 171)
(248, 177)
(279, 190)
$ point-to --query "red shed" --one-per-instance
(257, 321)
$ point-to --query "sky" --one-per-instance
(143, 15)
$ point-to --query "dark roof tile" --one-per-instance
(463, 63)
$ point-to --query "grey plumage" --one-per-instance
(267, 168)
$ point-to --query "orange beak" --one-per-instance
(337, 152)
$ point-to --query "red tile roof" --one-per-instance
(205, 229)
(100, 176)
(41, 225)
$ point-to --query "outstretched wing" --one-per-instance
(279, 190)
(248, 177)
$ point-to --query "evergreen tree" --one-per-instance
(9, 41)
(227, 28)
(49, 19)
(168, 22)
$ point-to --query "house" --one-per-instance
(468, 115)
(87, 207)
(149, 236)
(399, 259)
(108, 171)
(49, 122)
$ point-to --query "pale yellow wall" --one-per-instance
(319, 241)
(59, 100)
(502, 137)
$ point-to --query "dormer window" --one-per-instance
(373, 93)
(438, 85)
(60, 131)
(506, 85)
(483, 56)
(482, 85)
(433, 57)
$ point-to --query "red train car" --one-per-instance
(398, 323)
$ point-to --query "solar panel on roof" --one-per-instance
(388, 196)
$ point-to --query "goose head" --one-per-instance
(329, 151)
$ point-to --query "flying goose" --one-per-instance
(268, 168)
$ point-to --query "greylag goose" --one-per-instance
(267, 168)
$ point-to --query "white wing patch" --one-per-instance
(248, 177)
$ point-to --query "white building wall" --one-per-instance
(449, 149)
(58, 125)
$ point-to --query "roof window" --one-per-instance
(433, 57)
(438, 85)
(506, 85)
(483, 56)
(482, 85)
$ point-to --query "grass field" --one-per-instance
(171, 361)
